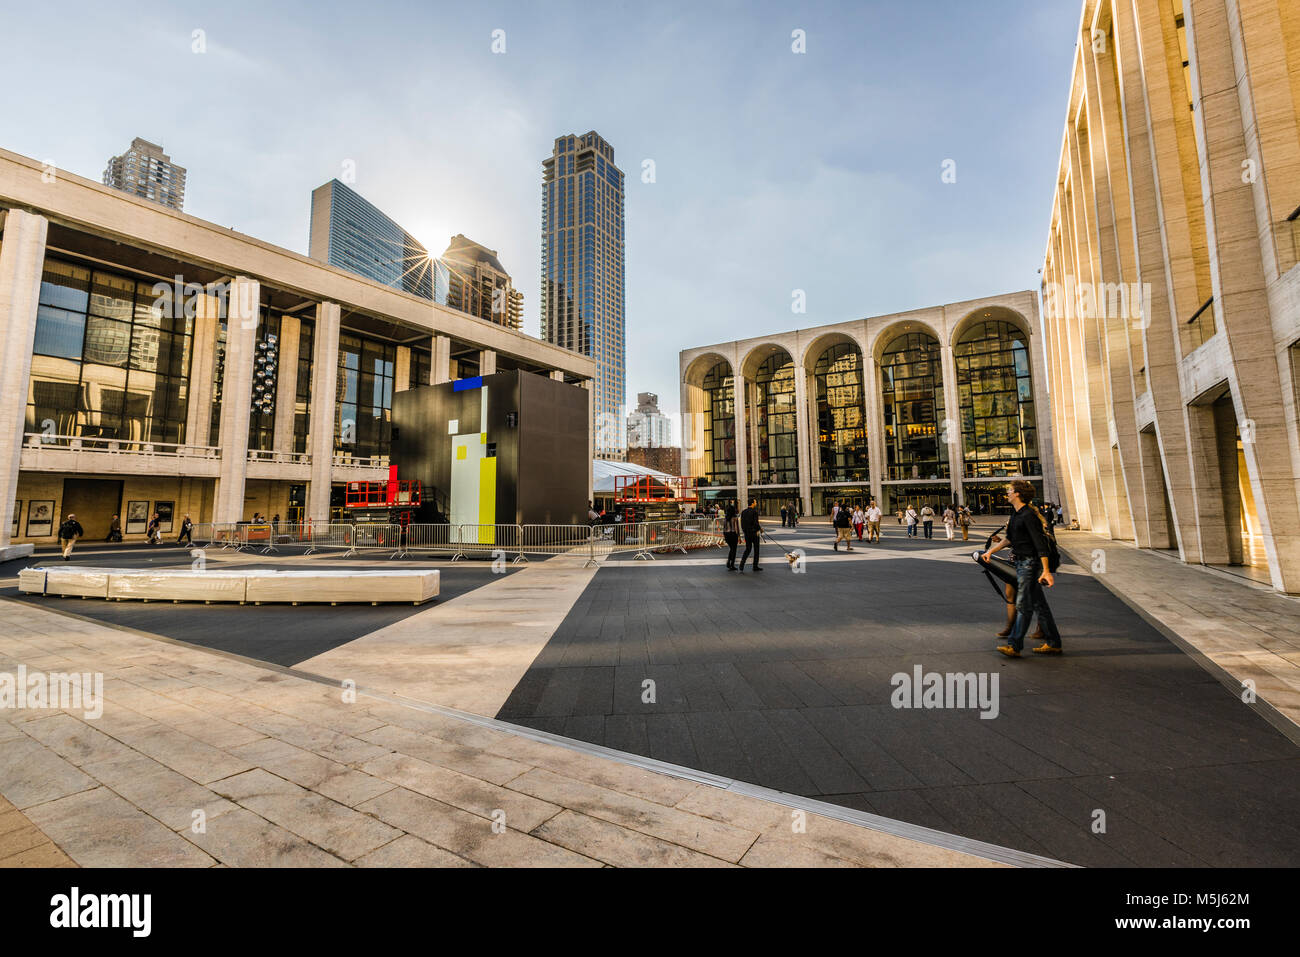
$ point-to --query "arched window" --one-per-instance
(912, 393)
(775, 455)
(719, 426)
(841, 416)
(995, 390)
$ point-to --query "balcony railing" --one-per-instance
(81, 443)
(279, 458)
(347, 459)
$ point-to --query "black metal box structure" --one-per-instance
(508, 448)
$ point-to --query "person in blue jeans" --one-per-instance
(1027, 536)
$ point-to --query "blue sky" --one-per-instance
(775, 171)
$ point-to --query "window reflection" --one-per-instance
(995, 390)
(841, 415)
(912, 392)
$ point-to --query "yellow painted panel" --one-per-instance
(487, 499)
(460, 451)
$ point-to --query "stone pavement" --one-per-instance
(785, 680)
(1248, 630)
(200, 759)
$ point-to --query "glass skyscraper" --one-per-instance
(352, 234)
(583, 302)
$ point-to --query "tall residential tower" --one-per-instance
(583, 304)
(147, 171)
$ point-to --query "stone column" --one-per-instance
(286, 382)
(198, 413)
(875, 413)
(22, 259)
(804, 433)
(324, 397)
(738, 392)
(950, 426)
(402, 369)
(242, 306)
(557, 375)
(440, 367)
(487, 362)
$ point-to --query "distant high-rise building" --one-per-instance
(647, 427)
(583, 304)
(147, 171)
(477, 283)
(351, 233)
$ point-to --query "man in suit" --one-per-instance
(750, 528)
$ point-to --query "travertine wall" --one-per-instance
(1173, 197)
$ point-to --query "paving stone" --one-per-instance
(31, 773)
(121, 836)
(619, 846)
(471, 836)
(241, 838)
(670, 824)
(460, 790)
(162, 793)
(336, 781)
(410, 851)
(327, 824)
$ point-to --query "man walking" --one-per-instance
(69, 532)
(783, 516)
(115, 530)
(187, 529)
(750, 527)
(794, 515)
(842, 533)
(963, 519)
(873, 522)
(927, 519)
(1027, 535)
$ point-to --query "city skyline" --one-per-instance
(817, 171)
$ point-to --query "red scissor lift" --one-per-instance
(394, 502)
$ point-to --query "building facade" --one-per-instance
(583, 302)
(352, 233)
(477, 283)
(158, 362)
(145, 170)
(934, 405)
(647, 427)
(661, 458)
(1170, 282)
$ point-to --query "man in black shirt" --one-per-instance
(1027, 536)
(841, 523)
(750, 527)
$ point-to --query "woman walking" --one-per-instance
(731, 535)
(859, 522)
(963, 519)
(911, 522)
(949, 520)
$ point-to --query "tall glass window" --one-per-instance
(302, 395)
(720, 425)
(266, 378)
(999, 429)
(912, 393)
(774, 422)
(841, 415)
(110, 358)
(363, 416)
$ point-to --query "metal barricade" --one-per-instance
(485, 540)
(431, 539)
(554, 540)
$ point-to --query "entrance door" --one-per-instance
(94, 502)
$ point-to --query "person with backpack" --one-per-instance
(69, 532)
(841, 521)
(927, 520)
(911, 522)
(1036, 560)
(187, 532)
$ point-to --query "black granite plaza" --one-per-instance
(784, 680)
